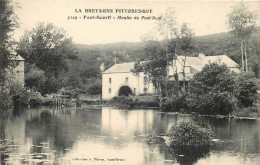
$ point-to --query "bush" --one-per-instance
(95, 89)
(177, 104)
(126, 102)
(213, 103)
(246, 112)
(212, 90)
(18, 94)
(246, 90)
(5, 99)
(38, 99)
(72, 93)
(189, 134)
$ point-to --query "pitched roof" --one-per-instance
(199, 62)
(196, 63)
(121, 68)
(17, 58)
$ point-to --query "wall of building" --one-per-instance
(16, 73)
(135, 83)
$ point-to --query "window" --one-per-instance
(109, 90)
(110, 80)
(145, 80)
(126, 80)
(145, 90)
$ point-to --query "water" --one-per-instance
(111, 136)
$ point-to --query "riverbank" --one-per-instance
(128, 104)
(150, 102)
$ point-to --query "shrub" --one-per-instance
(246, 112)
(38, 99)
(189, 134)
(95, 89)
(72, 93)
(246, 90)
(5, 99)
(212, 90)
(19, 94)
(213, 103)
(176, 103)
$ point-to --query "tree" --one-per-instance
(185, 39)
(212, 90)
(35, 77)
(242, 22)
(8, 24)
(48, 48)
(246, 90)
(255, 57)
(155, 66)
(185, 44)
(167, 28)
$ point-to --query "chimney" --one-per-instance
(201, 55)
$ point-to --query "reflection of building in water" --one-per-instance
(136, 122)
(126, 122)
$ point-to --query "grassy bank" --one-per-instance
(171, 105)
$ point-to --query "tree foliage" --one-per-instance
(246, 90)
(212, 90)
(185, 40)
(242, 23)
(8, 24)
(34, 77)
(155, 66)
(189, 134)
(48, 48)
(167, 26)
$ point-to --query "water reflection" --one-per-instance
(110, 136)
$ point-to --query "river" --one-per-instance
(111, 136)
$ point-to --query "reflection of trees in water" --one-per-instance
(61, 128)
(188, 155)
(235, 135)
(46, 127)
(185, 155)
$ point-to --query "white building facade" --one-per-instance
(119, 80)
(16, 72)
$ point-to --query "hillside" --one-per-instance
(214, 44)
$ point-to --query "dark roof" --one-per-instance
(17, 58)
(121, 68)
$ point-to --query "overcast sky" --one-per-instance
(204, 17)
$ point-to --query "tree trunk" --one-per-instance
(159, 95)
(167, 77)
(184, 80)
(246, 66)
(138, 87)
(242, 51)
(3, 109)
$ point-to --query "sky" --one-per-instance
(204, 17)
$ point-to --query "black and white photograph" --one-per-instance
(129, 82)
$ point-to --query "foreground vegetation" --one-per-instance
(189, 134)
(188, 142)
